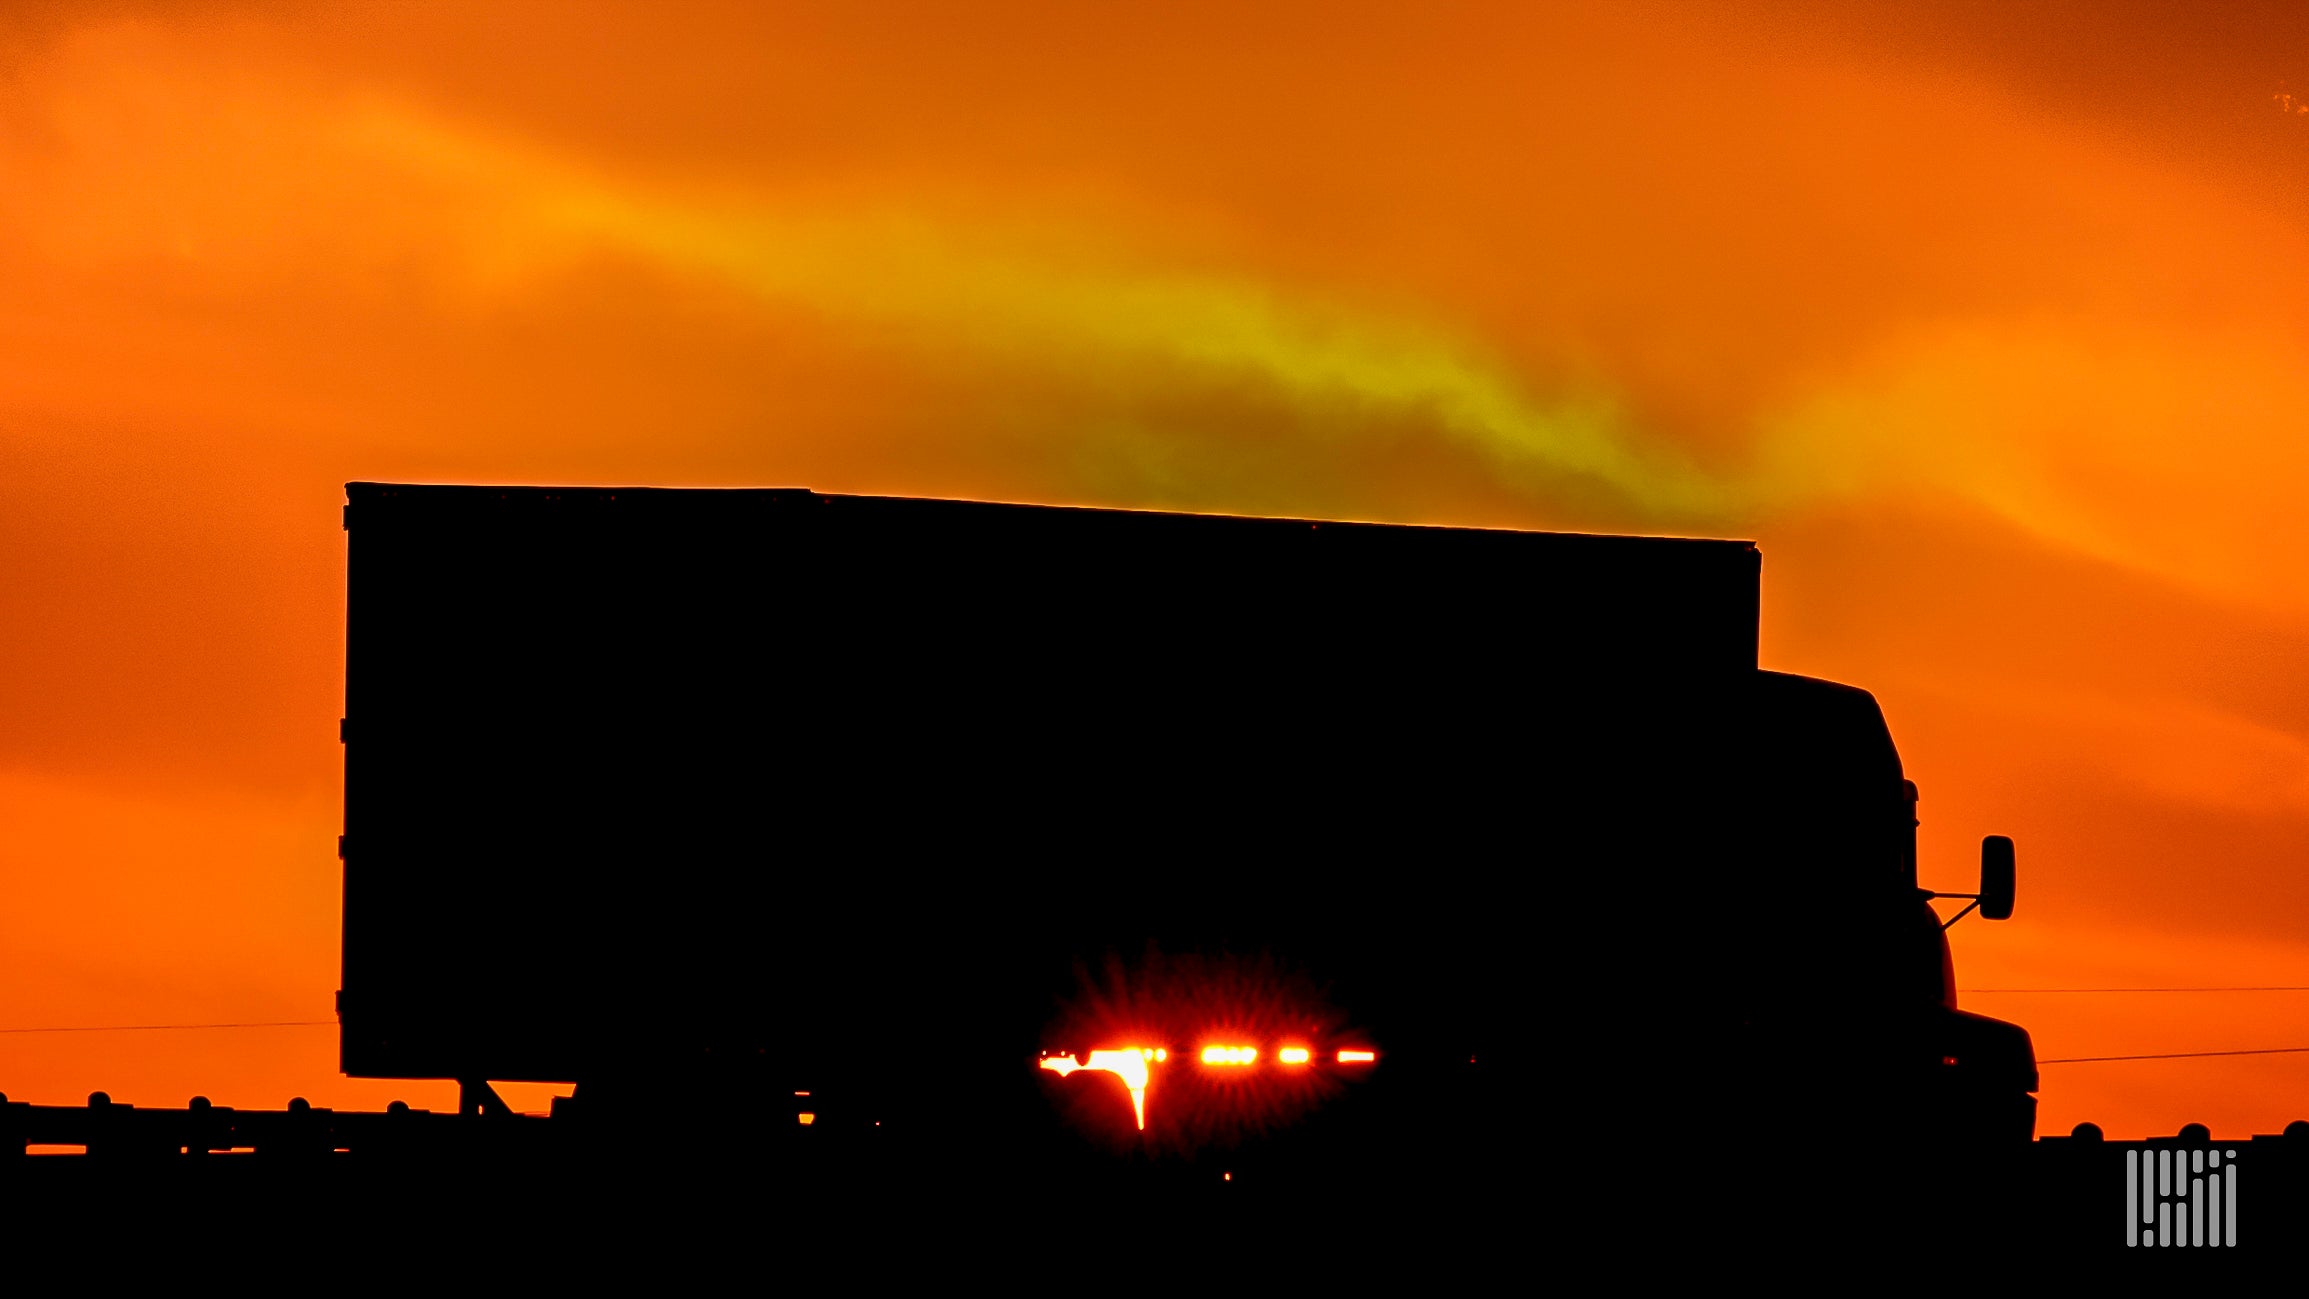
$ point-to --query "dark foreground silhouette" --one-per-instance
(548, 1199)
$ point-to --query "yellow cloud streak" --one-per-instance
(966, 289)
(2097, 438)
(2132, 442)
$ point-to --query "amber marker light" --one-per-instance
(1128, 1063)
(806, 1118)
(1293, 1055)
(1230, 1055)
(1358, 1057)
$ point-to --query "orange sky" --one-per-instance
(1988, 326)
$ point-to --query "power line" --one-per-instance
(2287, 987)
(2178, 1055)
(164, 1028)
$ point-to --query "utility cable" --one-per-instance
(2177, 1055)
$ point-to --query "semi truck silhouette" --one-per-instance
(774, 803)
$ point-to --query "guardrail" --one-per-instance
(106, 1129)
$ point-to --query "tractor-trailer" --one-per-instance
(864, 812)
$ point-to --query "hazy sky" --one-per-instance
(1986, 322)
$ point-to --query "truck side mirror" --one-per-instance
(1996, 878)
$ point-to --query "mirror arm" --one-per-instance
(1951, 921)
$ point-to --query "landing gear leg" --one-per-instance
(476, 1097)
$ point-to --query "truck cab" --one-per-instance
(1852, 938)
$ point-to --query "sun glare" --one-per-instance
(1127, 1063)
